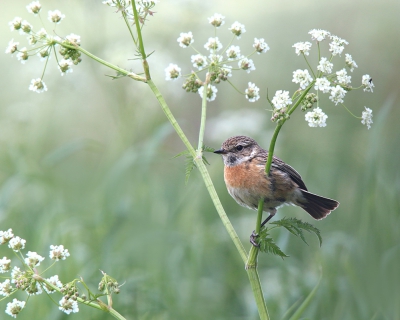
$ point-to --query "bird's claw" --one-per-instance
(253, 239)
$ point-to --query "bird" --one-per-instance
(247, 182)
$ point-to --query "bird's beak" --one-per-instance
(220, 151)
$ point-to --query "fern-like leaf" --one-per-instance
(296, 227)
(268, 245)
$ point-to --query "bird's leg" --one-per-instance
(254, 235)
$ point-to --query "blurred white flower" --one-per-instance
(172, 72)
(302, 47)
(367, 83)
(246, 64)
(34, 7)
(55, 16)
(350, 62)
(213, 44)
(260, 45)
(367, 117)
(237, 29)
(37, 85)
(185, 39)
(14, 308)
(216, 20)
(252, 92)
(211, 92)
(318, 34)
(233, 53)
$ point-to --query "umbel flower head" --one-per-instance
(218, 65)
(336, 83)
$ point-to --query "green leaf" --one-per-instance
(268, 245)
(189, 163)
(296, 227)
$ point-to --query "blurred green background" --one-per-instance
(89, 164)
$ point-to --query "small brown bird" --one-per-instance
(247, 182)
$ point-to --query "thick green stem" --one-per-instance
(258, 294)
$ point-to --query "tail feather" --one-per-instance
(318, 207)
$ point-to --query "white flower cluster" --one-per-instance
(45, 44)
(337, 84)
(215, 62)
(25, 280)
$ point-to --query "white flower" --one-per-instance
(342, 77)
(325, 65)
(233, 53)
(337, 45)
(65, 66)
(26, 27)
(44, 54)
(74, 39)
(350, 62)
(211, 92)
(216, 20)
(302, 47)
(58, 253)
(215, 59)
(41, 34)
(55, 16)
(322, 84)
(185, 39)
(37, 85)
(22, 55)
(302, 77)
(15, 24)
(281, 99)
(17, 244)
(199, 61)
(252, 92)
(316, 118)
(16, 273)
(260, 45)
(33, 259)
(15, 307)
(337, 94)
(246, 64)
(34, 7)
(6, 288)
(34, 289)
(54, 281)
(237, 29)
(213, 44)
(367, 117)
(6, 236)
(5, 265)
(318, 34)
(367, 83)
(172, 72)
(68, 305)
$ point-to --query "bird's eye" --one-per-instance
(239, 147)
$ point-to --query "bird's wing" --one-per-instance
(293, 174)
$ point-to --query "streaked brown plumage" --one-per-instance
(247, 183)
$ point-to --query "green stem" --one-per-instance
(258, 294)
(127, 73)
(203, 116)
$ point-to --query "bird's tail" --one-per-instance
(318, 207)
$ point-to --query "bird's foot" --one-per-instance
(253, 239)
